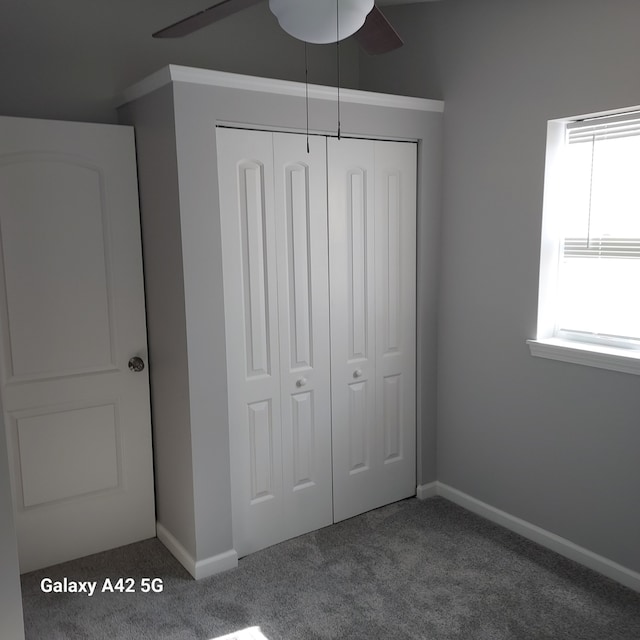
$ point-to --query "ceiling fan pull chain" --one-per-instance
(306, 89)
(338, 58)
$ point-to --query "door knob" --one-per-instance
(357, 373)
(301, 382)
(136, 364)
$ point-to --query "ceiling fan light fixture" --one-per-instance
(315, 21)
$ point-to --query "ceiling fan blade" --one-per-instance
(204, 18)
(377, 35)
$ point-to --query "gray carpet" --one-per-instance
(413, 570)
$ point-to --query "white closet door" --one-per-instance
(356, 445)
(395, 207)
(372, 204)
(245, 173)
(303, 296)
(274, 230)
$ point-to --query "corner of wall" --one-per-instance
(197, 568)
(547, 539)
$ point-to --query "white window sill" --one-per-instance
(591, 355)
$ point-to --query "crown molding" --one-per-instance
(176, 73)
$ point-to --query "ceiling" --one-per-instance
(73, 69)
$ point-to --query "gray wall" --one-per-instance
(70, 60)
(553, 443)
(11, 624)
(166, 321)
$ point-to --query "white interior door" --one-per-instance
(321, 405)
(353, 338)
(303, 295)
(273, 218)
(245, 174)
(372, 205)
(72, 314)
(395, 216)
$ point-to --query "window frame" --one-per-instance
(616, 355)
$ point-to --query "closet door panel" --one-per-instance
(303, 295)
(245, 171)
(352, 304)
(372, 205)
(395, 214)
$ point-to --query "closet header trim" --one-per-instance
(176, 73)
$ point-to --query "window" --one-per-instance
(589, 302)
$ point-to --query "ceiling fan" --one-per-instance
(315, 21)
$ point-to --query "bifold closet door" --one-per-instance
(274, 254)
(372, 231)
(303, 297)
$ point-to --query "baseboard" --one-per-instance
(429, 490)
(216, 564)
(201, 568)
(543, 537)
(176, 549)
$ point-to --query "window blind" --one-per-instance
(610, 188)
(599, 272)
(606, 247)
(603, 128)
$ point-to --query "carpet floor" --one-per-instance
(425, 570)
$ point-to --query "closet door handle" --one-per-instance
(301, 382)
(357, 373)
